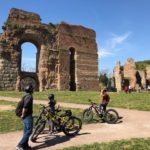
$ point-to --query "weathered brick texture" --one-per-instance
(53, 62)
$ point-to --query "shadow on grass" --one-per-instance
(51, 140)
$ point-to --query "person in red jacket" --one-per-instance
(126, 89)
(105, 99)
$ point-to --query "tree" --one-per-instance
(106, 81)
(103, 80)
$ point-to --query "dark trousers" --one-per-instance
(103, 106)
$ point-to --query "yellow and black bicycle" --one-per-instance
(63, 122)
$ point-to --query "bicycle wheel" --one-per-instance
(38, 129)
(87, 115)
(72, 126)
(111, 116)
(35, 120)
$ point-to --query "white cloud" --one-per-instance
(119, 39)
(104, 53)
(113, 44)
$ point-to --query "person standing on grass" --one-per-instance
(105, 100)
(27, 119)
(51, 103)
(148, 88)
(130, 89)
(126, 89)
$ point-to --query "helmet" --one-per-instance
(29, 88)
(51, 96)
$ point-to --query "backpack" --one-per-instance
(108, 98)
(19, 107)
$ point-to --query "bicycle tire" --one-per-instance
(38, 129)
(35, 120)
(87, 115)
(111, 116)
(72, 126)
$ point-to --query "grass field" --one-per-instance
(9, 122)
(132, 144)
(139, 101)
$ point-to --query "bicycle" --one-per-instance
(110, 115)
(66, 122)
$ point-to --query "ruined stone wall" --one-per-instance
(143, 78)
(8, 67)
(130, 72)
(86, 57)
(23, 17)
(148, 72)
(53, 44)
(22, 26)
(117, 76)
(137, 78)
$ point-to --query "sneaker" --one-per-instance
(51, 132)
(19, 148)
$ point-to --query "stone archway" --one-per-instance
(72, 70)
(138, 79)
(29, 78)
(53, 60)
(29, 57)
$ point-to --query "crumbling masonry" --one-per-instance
(66, 56)
(128, 75)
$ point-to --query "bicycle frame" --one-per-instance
(57, 119)
(42, 114)
(97, 108)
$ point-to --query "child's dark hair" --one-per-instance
(104, 91)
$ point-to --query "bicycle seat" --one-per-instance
(68, 112)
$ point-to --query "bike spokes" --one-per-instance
(111, 116)
(87, 115)
(72, 126)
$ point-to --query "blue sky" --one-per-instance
(122, 26)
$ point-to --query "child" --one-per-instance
(52, 104)
(105, 99)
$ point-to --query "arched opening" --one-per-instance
(28, 80)
(28, 57)
(147, 83)
(125, 83)
(72, 69)
(138, 79)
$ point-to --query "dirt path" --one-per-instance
(6, 107)
(135, 124)
(70, 105)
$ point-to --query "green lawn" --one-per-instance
(132, 144)
(139, 101)
(9, 122)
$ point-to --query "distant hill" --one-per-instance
(141, 65)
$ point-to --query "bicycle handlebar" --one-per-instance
(91, 102)
(43, 106)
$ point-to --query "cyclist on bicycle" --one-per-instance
(52, 104)
(105, 100)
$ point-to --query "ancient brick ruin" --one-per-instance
(128, 75)
(66, 56)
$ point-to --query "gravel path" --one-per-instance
(134, 124)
